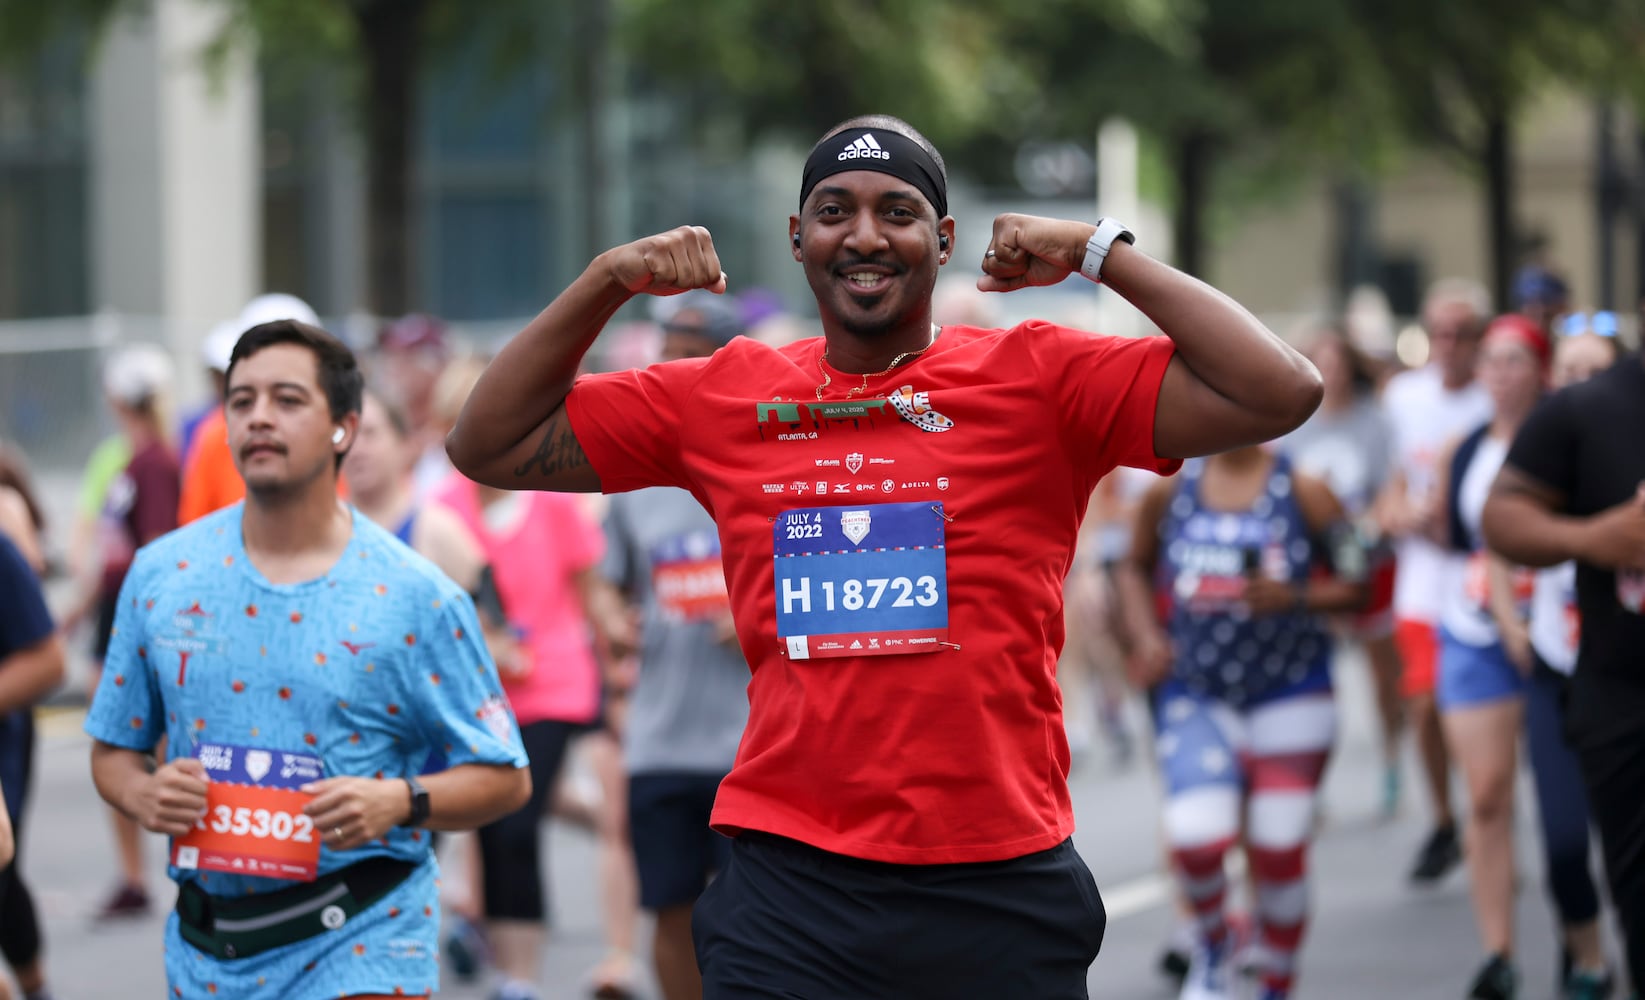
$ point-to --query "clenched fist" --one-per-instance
(668, 263)
(1029, 250)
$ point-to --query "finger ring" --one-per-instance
(337, 832)
(989, 254)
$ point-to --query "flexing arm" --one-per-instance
(1232, 381)
(1522, 522)
(513, 433)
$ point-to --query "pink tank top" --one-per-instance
(535, 560)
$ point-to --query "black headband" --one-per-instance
(880, 151)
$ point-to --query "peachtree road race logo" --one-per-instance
(915, 407)
(855, 524)
(799, 421)
(258, 763)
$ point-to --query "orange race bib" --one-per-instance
(689, 579)
(254, 822)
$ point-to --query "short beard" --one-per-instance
(283, 492)
(869, 329)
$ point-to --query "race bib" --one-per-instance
(1210, 577)
(254, 822)
(861, 581)
(1476, 585)
(689, 579)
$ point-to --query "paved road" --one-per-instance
(1373, 938)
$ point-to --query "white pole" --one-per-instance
(1117, 197)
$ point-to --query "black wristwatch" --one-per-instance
(419, 802)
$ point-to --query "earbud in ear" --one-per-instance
(796, 241)
(337, 436)
(942, 242)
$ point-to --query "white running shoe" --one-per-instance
(1211, 975)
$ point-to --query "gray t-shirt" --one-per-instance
(690, 704)
(1351, 451)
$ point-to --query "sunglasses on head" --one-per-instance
(1602, 324)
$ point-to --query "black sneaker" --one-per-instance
(1588, 986)
(1438, 856)
(1496, 981)
(1173, 964)
(126, 901)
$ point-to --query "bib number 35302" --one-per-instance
(861, 581)
(254, 822)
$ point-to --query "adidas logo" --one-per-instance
(865, 148)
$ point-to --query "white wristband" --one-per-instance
(1097, 247)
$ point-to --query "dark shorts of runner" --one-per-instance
(106, 606)
(19, 920)
(1602, 723)
(601, 722)
(674, 850)
(513, 871)
(788, 920)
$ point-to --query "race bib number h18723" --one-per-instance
(254, 822)
(861, 581)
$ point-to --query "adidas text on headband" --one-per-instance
(880, 151)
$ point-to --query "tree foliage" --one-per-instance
(793, 70)
(1225, 87)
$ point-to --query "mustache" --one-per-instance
(250, 446)
(855, 260)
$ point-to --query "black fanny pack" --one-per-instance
(243, 926)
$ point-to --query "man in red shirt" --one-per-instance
(898, 505)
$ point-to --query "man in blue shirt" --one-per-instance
(301, 663)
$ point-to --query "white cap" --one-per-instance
(218, 347)
(275, 305)
(137, 373)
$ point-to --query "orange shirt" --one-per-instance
(210, 480)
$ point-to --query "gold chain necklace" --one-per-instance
(828, 379)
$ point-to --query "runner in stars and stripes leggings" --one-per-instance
(1243, 705)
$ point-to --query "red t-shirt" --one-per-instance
(952, 755)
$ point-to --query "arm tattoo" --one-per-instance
(559, 452)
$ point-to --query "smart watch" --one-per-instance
(1101, 241)
(419, 802)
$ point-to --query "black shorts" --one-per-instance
(789, 920)
(674, 850)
